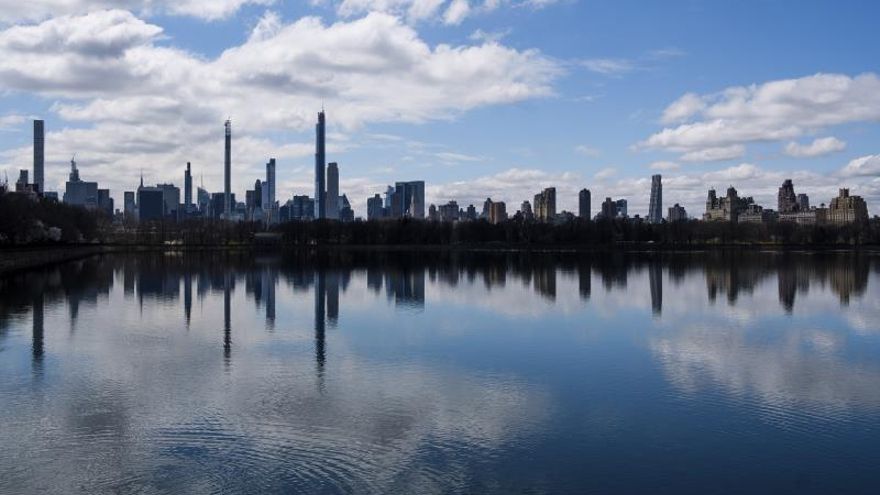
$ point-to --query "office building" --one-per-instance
(487, 209)
(302, 208)
(803, 201)
(471, 212)
(268, 195)
(320, 192)
(203, 197)
(609, 209)
(105, 202)
(375, 208)
(332, 198)
(39, 156)
(129, 207)
(78, 192)
(346, 213)
(187, 190)
(544, 204)
(408, 200)
(847, 209)
(655, 207)
(525, 210)
(676, 213)
(584, 205)
(621, 208)
(227, 172)
(151, 203)
(170, 201)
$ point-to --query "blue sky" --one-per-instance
(482, 98)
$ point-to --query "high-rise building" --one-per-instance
(655, 207)
(320, 193)
(526, 210)
(621, 208)
(803, 202)
(227, 173)
(105, 202)
(786, 198)
(129, 206)
(302, 208)
(677, 213)
(487, 209)
(408, 199)
(544, 205)
(346, 213)
(187, 189)
(498, 212)
(609, 209)
(203, 197)
(449, 212)
(332, 200)
(584, 204)
(847, 209)
(268, 196)
(375, 208)
(78, 192)
(151, 203)
(170, 200)
(39, 156)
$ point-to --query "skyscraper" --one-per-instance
(332, 191)
(39, 155)
(187, 189)
(786, 198)
(584, 204)
(268, 197)
(320, 194)
(655, 208)
(227, 184)
(544, 205)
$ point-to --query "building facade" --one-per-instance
(584, 204)
(655, 207)
(847, 209)
(544, 205)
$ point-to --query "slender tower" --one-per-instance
(320, 195)
(268, 197)
(332, 199)
(227, 184)
(655, 207)
(39, 156)
(187, 189)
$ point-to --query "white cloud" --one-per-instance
(863, 166)
(819, 147)
(664, 165)
(456, 12)
(608, 66)
(11, 121)
(715, 154)
(773, 111)
(586, 150)
(605, 173)
(451, 12)
(12, 11)
(138, 104)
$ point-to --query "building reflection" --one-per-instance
(402, 278)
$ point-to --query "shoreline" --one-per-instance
(26, 258)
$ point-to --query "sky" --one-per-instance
(478, 98)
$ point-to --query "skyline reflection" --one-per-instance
(404, 372)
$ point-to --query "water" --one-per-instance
(442, 373)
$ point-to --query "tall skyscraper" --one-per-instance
(786, 198)
(320, 194)
(268, 197)
(584, 204)
(544, 204)
(227, 170)
(332, 191)
(187, 189)
(655, 208)
(39, 155)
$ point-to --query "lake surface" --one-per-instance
(440, 372)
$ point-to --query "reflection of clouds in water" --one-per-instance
(795, 374)
(149, 404)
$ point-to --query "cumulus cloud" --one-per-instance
(773, 111)
(12, 11)
(586, 150)
(819, 147)
(139, 104)
(863, 166)
(451, 12)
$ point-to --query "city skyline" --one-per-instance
(620, 109)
